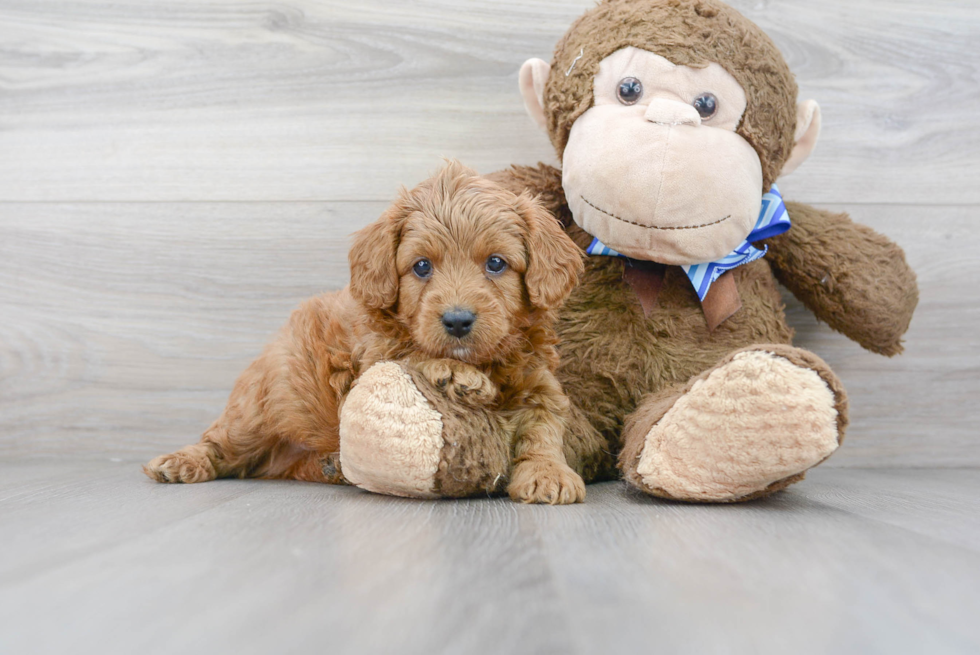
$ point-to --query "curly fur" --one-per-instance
(282, 420)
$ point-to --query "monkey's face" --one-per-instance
(654, 169)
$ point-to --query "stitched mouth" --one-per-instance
(653, 227)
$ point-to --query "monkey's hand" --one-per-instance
(459, 381)
(852, 278)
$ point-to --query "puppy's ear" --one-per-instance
(554, 261)
(373, 273)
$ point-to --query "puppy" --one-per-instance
(459, 279)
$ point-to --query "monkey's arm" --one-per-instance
(852, 278)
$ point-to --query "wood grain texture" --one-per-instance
(175, 177)
(330, 100)
(130, 298)
(918, 408)
(125, 325)
(103, 560)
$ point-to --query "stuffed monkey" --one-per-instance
(672, 120)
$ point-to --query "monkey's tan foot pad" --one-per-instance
(400, 436)
(751, 426)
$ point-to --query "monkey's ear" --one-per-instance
(807, 133)
(554, 263)
(373, 272)
(532, 78)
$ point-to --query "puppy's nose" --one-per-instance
(458, 322)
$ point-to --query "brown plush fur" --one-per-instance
(687, 32)
(622, 369)
(614, 359)
(475, 459)
(851, 277)
(282, 418)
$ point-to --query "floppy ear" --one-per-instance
(373, 273)
(554, 261)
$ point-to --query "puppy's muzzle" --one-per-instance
(458, 322)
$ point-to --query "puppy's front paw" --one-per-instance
(459, 380)
(331, 469)
(190, 464)
(554, 483)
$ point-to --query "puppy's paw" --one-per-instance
(554, 483)
(331, 469)
(190, 464)
(459, 380)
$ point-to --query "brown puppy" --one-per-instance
(457, 281)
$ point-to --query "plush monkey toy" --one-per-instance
(673, 120)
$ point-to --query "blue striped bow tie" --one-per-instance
(773, 220)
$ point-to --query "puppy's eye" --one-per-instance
(496, 264)
(629, 91)
(707, 105)
(422, 268)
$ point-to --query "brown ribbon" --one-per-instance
(647, 278)
(721, 301)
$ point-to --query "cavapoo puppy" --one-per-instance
(457, 283)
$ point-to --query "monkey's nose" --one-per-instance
(672, 112)
(458, 322)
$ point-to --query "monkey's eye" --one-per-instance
(629, 91)
(707, 105)
(495, 264)
(422, 268)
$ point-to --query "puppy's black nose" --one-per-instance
(458, 322)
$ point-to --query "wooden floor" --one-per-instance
(96, 558)
(176, 176)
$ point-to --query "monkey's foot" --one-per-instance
(401, 435)
(748, 427)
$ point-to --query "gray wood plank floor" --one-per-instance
(96, 558)
(175, 177)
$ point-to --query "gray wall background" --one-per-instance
(176, 176)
